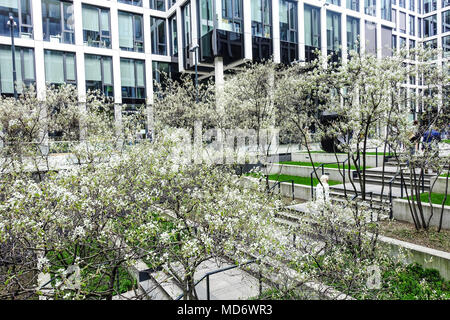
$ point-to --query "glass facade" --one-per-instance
(386, 10)
(429, 6)
(25, 71)
(96, 26)
(60, 67)
(312, 31)
(131, 35)
(99, 74)
(132, 76)
(430, 26)
(20, 10)
(352, 33)
(288, 21)
(261, 18)
(446, 21)
(58, 21)
(352, 5)
(370, 7)
(334, 42)
(158, 35)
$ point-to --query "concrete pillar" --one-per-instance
(301, 29)
(276, 31)
(344, 49)
(219, 79)
(323, 30)
(248, 47)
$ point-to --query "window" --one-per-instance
(429, 26)
(352, 33)
(158, 5)
(312, 31)
(25, 74)
(131, 36)
(288, 21)
(446, 21)
(412, 45)
(261, 18)
(412, 5)
(187, 26)
(21, 11)
(96, 27)
(158, 28)
(386, 10)
(132, 2)
(230, 15)
(394, 42)
(59, 67)
(333, 32)
(371, 37)
(446, 46)
(353, 4)
(386, 41)
(160, 71)
(206, 17)
(173, 36)
(58, 21)
(402, 3)
(132, 75)
(419, 25)
(429, 5)
(370, 7)
(99, 74)
(402, 22)
(412, 25)
(402, 42)
(335, 2)
(445, 3)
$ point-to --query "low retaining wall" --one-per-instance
(304, 171)
(401, 211)
(302, 192)
(371, 160)
(439, 187)
(426, 257)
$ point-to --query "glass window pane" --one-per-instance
(90, 19)
(107, 70)
(92, 68)
(125, 30)
(127, 73)
(54, 66)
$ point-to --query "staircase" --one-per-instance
(392, 182)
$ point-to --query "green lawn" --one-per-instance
(298, 180)
(367, 153)
(436, 198)
(316, 164)
(446, 141)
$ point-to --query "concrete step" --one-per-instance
(396, 183)
(167, 283)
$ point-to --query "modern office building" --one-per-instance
(119, 46)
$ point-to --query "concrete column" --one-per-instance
(301, 29)
(180, 39)
(276, 31)
(362, 35)
(344, 49)
(248, 47)
(219, 79)
(323, 30)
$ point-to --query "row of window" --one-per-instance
(427, 27)
(60, 67)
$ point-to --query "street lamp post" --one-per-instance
(195, 49)
(11, 23)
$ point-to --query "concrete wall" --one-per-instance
(439, 187)
(401, 211)
(331, 157)
(304, 171)
(426, 257)
(301, 192)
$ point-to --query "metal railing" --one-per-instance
(278, 183)
(207, 275)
